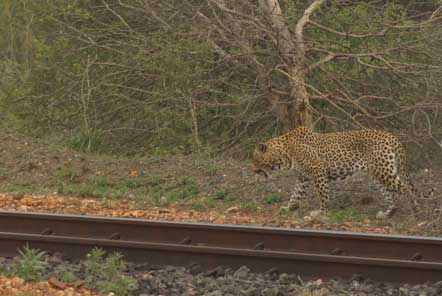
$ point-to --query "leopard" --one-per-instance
(319, 158)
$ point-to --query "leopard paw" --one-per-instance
(381, 215)
(293, 206)
(316, 213)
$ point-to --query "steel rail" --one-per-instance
(304, 264)
(308, 253)
(238, 236)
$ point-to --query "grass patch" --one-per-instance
(24, 188)
(250, 207)
(87, 141)
(213, 169)
(106, 273)
(285, 211)
(346, 215)
(68, 173)
(198, 206)
(30, 264)
(103, 272)
(273, 198)
(159, 190)
(221, 194)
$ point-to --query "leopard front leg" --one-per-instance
(322, 191)
(298, 193)
(390, 200)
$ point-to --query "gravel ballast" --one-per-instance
(223, 281)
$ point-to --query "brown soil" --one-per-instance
(29, 167)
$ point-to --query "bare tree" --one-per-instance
(296, 50)
(223, 72)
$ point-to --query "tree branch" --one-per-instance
(348, 34)
(299, 29)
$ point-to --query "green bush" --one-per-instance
(30, 264)
(106, 273)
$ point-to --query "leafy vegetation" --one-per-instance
(94, 75)
(160, 190)
(107, 273)
(30, 264)
(346, 215)
(273, 198)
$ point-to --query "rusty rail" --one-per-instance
(308, 253)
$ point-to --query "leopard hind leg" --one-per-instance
(299, 192)
(389, 181)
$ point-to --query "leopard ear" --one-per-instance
(262, 147)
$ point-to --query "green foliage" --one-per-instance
(346, 215)
(273, 198)
(30, 265)
(68, 173)
(91, 142)
(94, 260)
(107, 273)
(174, 191)
(213, 169)
(158, 189)
(108, 84)
(221, 194)
(285, 211)
(65, 273)
(5, 270)
(250, 207)
(127, 98)
(198, 206)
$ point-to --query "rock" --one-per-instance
(367, 288)
(438, 284)
(403, 290)
(315, 213)
(58, 284)
(381, 215)
(251, 291)
(232, 210)
(284, 278)
(215, 272)
(242, 272)
(214, 293)
(325, 292)
(17, 282)
(274, 291)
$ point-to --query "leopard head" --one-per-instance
(265, 160)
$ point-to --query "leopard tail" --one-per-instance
(401, 165)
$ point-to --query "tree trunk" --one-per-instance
(301, 111)
(283, 112)
(297, 111)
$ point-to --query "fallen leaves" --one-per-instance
(232, 210)
(53, 287)
(56, 283)
(129, 209)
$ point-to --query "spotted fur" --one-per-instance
(319, 158)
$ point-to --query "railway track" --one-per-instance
(308, 253)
